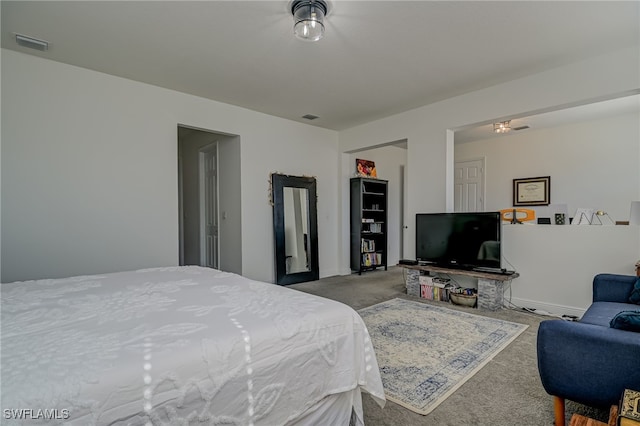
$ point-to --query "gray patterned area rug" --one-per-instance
(426, 352)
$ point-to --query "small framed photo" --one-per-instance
(366, 168)
(535, 191)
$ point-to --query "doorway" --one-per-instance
(209, 196)
(391, 164)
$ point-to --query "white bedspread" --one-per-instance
(176, 346)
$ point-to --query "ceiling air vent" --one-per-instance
(310, 116)
(521, 128)
(32, 43)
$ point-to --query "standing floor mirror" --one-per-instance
(295, 225)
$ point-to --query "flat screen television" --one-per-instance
(459, 240)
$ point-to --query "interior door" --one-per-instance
(469, 186)
(209, 207)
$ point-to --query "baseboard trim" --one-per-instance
(346, 271)
(329, 273)
(551, 308)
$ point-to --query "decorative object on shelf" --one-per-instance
(634, 214)
(583, 216)
(534, 191)
(592, 217)
(464, 296)
(366, 168)
(629, 408)
(517, 216)
(601, 218)
(558, 213)
(469, 300)
(502, 127)
(308, 19)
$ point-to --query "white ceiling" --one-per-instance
(593, 111)
(376, 59)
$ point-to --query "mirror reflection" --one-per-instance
(295, 225)
(296, 230)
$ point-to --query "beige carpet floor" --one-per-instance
(507, 391)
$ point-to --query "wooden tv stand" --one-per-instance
(490, 286)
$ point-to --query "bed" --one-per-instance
(178, 346)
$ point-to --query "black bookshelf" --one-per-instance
(368, 224)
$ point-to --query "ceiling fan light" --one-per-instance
(502, 127)
(308, 19)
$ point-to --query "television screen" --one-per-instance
(459, 240)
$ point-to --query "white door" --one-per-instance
(209, 206)
(469, 186)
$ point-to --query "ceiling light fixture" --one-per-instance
(502, 127)
(308, 19)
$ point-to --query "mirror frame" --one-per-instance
(278, 183)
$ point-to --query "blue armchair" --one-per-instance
(587, 361)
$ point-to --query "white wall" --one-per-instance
(557, 263)
(591, 164)
(89, 172)
(430, 151)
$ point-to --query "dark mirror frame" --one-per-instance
(278, 183)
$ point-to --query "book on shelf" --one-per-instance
(375, 227)
(368, 245)
(371, 259)
(441, 282)
(431, 292)
(629, 409)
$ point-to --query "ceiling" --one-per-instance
(377, 58)
(593, 111)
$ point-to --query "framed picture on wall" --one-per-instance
(534, 191)
(366, 168)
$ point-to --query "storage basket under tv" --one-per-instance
(464, 299)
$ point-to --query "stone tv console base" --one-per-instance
(490, 286)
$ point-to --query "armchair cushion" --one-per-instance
(601, 313)
(635, 293)
(627, 320)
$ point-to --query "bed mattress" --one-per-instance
(178, 345)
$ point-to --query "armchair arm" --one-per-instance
(613, 287)
(587, 363)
